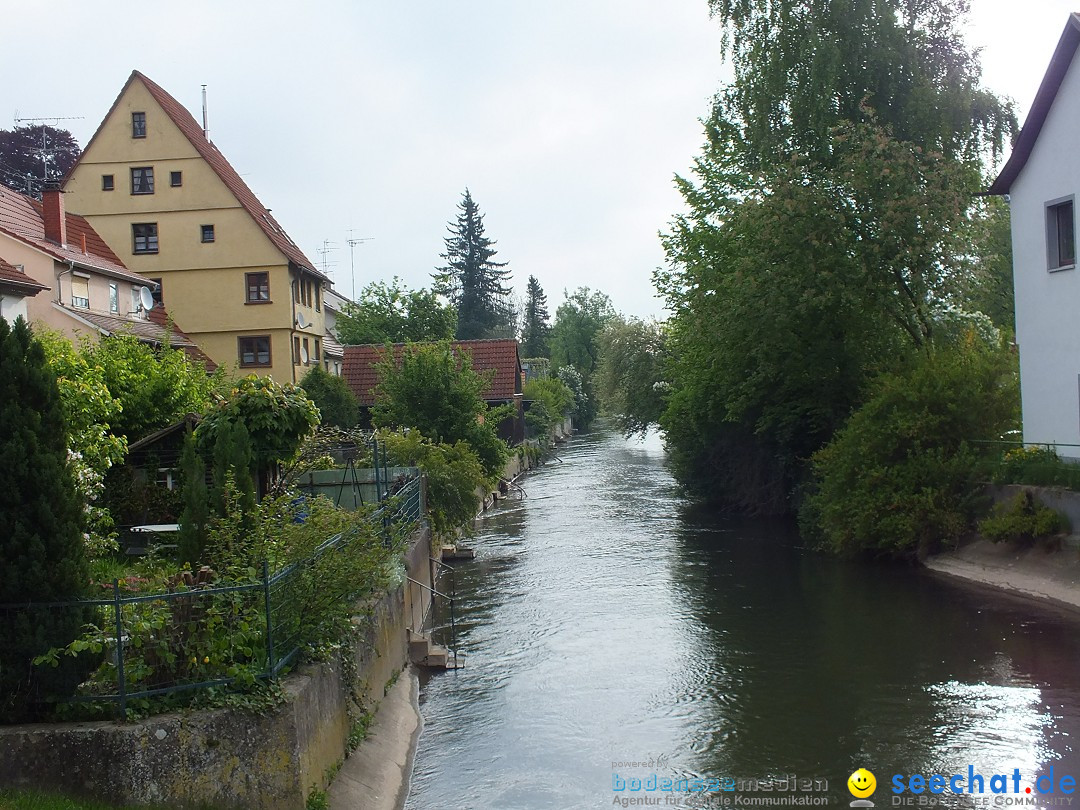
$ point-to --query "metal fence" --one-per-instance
(202, 635)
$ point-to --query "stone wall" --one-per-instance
(223, 758)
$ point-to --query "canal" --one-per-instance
(613, 630)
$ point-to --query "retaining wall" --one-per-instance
(224, 758)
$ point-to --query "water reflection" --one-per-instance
(606, 619)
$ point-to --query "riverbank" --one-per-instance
(1032, 572)
(376, 774)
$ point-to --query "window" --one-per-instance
(1060, 234)
(145, 236)
(207, 233)
(176, 179)
(138, 125)
(318, 297)
(168, 478)
(318, 357)
(254, 351)
(114, 298)
(107, 182)
(258, 288)
(80, 292)
(296, 351)
(142, 180)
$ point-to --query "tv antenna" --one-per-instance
(327, 248)
(45, 122)
(353, 242)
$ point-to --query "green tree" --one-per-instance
(437, 392)
(535, 330)
(335, 400)
(195, 516)
(472, 280)
(630, 375)
(575, 336)
(42, 557)
(987, 284)
(155, 386)
(801, 67)
(392, 313)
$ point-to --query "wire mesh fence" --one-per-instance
(134, 646)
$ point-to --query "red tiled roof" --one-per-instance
(500, 355)
(20, 217)
(11, 276)
(184, 121)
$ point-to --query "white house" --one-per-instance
(1041, 181)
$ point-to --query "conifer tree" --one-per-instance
(195, 517)
(41, 544)
(536, 329)
(472, 281)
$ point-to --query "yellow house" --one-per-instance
(174, 210)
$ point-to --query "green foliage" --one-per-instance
(535, 331)
(317, 800)
(195, 517)
(34, 800)
(800, 67)
(575, 341)
(437, 392)
(902, 475)
(1037, 466)
(358, 732)
(332, 396)
(630, 376)
(987, 285)
(583, 401)
(154, 386)
(392, 313)
(472, 280)
(454, 474)
(550, 402)
(276, 417)
(1023, 519)
(42, 558)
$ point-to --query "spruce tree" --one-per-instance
(535, 331)
(472, 281)
(42, 555)
(195, 517)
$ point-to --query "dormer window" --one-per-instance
(138, 125)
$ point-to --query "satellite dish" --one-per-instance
(303, 355)
(147, 298)
(301, 321)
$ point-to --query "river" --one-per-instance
(613, 630)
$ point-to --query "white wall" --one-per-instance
(1048, 304)
(12, 306)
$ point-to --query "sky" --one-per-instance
(567, 120)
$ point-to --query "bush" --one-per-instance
(1037, 467)
(901, 476)
(454, 473)
(332, 396)
(1022, 519)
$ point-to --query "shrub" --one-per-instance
(454, 473)
(901, 475)
(332, 396)
(1021, 519)
(1037, 466)
(42, 558)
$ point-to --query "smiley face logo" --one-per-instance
(861, 783)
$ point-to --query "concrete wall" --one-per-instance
(1046, 327)
(224, 758)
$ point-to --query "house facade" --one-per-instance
(81, 286)
(15, 288)
(170, 205)
(1041, 181)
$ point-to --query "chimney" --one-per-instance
(52, 203)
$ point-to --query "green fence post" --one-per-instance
(269, 621)
(121, 684)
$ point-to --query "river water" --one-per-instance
(614, 631)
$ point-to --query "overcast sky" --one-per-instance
(567, 120)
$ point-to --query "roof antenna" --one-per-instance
(205, 124)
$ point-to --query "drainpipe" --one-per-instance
(69, 271)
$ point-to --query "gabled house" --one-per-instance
(1041, 181)
(499, 358)
(167, 201)
(91, 292)
(15, 288)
